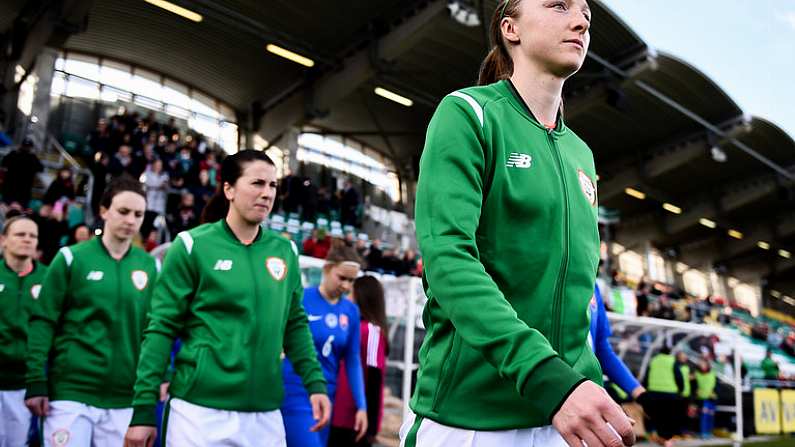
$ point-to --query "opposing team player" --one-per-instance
(334, 322)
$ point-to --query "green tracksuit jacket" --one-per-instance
(17, 295)
(506, 216)
(88, 323)
(235, 307)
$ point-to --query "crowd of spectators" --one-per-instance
(300, 195)
(376, 258)
(180, 172)
(659, 300)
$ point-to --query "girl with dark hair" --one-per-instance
(86, 326)
(511, 250)
(368, 294)
(232, 293)
(334, 322)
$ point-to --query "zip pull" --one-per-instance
(550, 130)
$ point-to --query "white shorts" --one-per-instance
(14, 419)
(76, 424)
(434, 434)
(191, 425)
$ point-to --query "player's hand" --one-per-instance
(140, 436)
(321, 411)
(589, 415)
(39, 405)
(360, 424)
(164, 391)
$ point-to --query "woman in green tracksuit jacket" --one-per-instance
(85, 328)
(20, 285)
(232, 292)
(506, 216)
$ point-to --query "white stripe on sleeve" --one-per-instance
(373, 338)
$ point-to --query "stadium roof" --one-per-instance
(654, 122)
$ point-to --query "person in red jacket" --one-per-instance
(318, 245)
(368, 294)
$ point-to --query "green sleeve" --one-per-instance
(44, 316)
(448, 214)
(170, 300)
(298, 344)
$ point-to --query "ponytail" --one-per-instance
(498, 64)
(495, 67)
(216, 208)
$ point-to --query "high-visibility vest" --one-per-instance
(661, 374)
(685, 370)
(705, 381)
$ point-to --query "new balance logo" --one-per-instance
(517, 160)
(95, 275)
(223, 264)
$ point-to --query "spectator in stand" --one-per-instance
(309, 201)
(290, 194)
(213, 168)
(408, 264)
(186, 217)
(169, 156)
(324, 203)
(185, 165)
(121, 163)
(151, 241)
(390, 262)
(143, 159)
(62, 187)
(156, 182)
(418, 270)
(21, 167)
(99, 139)
(51, 229)
(788, 345)
(349, 204)
(769, 366)
(318, 245)
(368, 294)
(361, 248)
(203, 191)
(375, 256)
(642, 295)
(100, 169)
(79, 233)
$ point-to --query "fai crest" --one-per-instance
(139, 279)
(588, 188)
(60, 437)
(276, 267)
(35, 291)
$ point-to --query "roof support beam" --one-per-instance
(693, 116)
(38, 24)
(332, 87)
(668, 157)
